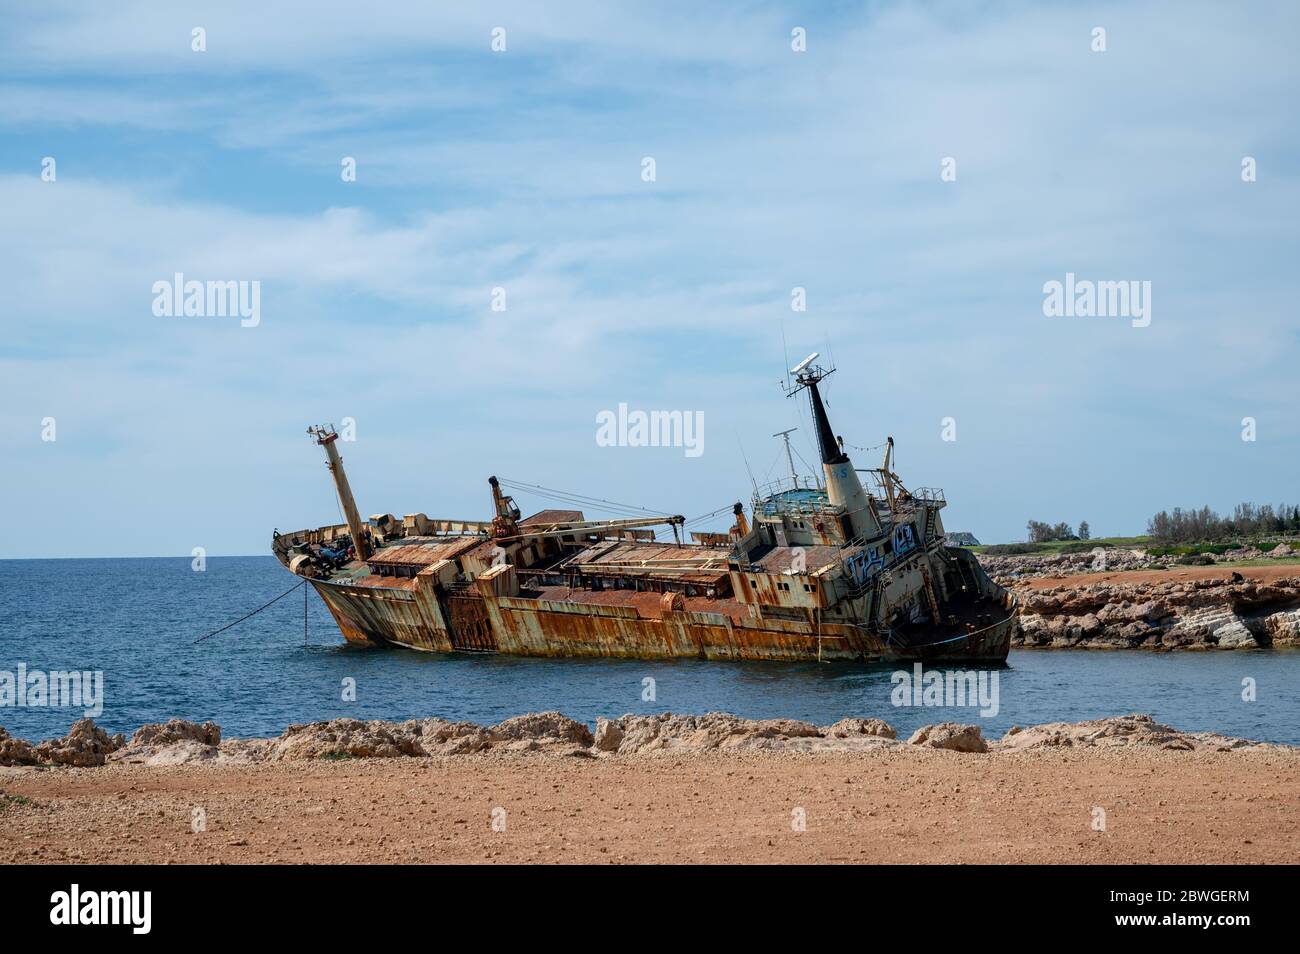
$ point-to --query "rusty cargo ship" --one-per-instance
(823, 568)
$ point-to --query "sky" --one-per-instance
(920, 170)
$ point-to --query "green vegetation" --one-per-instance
(1179, 534)
(1040, 532)
(8, 801)
(1247, 522)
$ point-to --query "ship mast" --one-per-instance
(843, 488)
(326, 436)
(789, 456)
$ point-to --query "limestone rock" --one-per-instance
(1128, 730)
(173, 742)
(14, 751)
(440, 737)
(347, 738)
(415, 738)
(177, 730)
(713, 730)
(951, 736)
(542, 727)
(1215, 626)
(1161, 614)
(609, 735)
(1234, 635)
(1283, 628)
(181, 752)
(848, 728)
(86, 744)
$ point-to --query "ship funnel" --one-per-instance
(327, 436)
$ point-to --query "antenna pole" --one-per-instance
(748, 469)
(785, 349)
(789, 456)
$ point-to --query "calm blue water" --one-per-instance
(136, 620)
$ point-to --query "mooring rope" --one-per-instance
(254, 613)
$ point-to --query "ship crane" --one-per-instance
(326, 436)
(887, 473)
(580, 527)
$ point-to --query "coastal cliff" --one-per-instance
(1065, 603)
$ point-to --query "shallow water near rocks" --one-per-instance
(137, 619)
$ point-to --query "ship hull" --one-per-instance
(413, 618)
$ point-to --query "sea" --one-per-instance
(142, 623)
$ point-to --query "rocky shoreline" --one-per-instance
(1195, 614)
(179, 742)
(1061, 606)
(643, 789)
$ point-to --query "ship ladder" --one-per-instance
(929, 594)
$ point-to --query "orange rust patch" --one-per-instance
(647, 603)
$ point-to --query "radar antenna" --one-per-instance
(807, 375)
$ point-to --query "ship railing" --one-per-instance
(318, 535)
(784, 484)
(770, 499)
(773, 508)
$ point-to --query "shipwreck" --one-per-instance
(823, 568)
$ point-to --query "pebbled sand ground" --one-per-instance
(893, 805)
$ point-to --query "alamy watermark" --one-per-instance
(1083, 298)
(130, 908)
(179, 298)
(651, 429)
(58, 689)
(946, 688)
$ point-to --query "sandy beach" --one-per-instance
(882, 802)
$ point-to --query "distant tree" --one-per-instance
(1040, 532)
(1084, 532)
(1204, 525)
(1063, 531)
